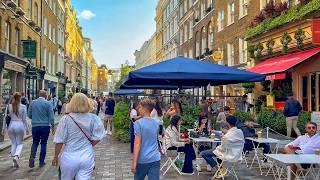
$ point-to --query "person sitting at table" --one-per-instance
(203, 129)
(305, 144)
(249, 131)
(173, 142)
(230, 149)
(221, 118)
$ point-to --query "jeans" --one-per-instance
(131, 137)
(152, 170)
(40, 135)
(190, 155)
(208, 156)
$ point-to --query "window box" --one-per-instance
(19, 11)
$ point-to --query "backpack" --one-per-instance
(24, 100)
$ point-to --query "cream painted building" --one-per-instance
(147, 53)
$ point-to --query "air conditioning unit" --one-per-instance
(19, 11)
(11, 4)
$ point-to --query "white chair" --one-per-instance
(171, 157)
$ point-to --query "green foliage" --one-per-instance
(277, 121)
(285, 40)
(258, 49)
(299, 35)
(251, 51)
(121, 122)
(293, 14)
(270, 44)
(248, 87)
(190, 115)
(124, 71)
(242, 115)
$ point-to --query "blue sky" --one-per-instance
(117, 27)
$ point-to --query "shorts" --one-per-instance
(107, 117)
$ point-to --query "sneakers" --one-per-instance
(221, 173)
(198, 168)
(31, 163)
(15, 162)
(209, 169)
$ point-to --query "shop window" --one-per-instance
(36, 19)
(7, 36)
(30, 9)
(318, 92)
(313, 92)
(305, 93)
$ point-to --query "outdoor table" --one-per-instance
(255, 148)
(288, 159)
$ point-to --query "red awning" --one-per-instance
(283, 63)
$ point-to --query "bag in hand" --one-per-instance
(8, 118)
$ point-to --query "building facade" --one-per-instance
(159, 31)
(102, 79)
(170, 27)
(94, 77)
(147, 53)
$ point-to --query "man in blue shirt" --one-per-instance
(41, 113)
(110, 104)
(292, 108)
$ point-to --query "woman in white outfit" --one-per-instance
(18, 125)
(157, 113)
(79, 131)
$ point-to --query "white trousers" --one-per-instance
(16, 132)
(77, 165)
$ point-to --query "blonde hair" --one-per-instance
(80, 103)
(147, 103)
(16, 103)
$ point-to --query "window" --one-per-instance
(221, 20)
(243, 47)
(50, 31)
(45, 26)
(202, 10)
(204, 40)
(230, 49)
(210, 36)
(49, 62)
(185, 32)
(181, 36)
(53, 64)
(243, 8)
(30, 9)
(7, 36)
(50, 4)
(185, 6)
(16, 42)
(36, 19)
(209, 3)
(190, 29)
(54, 7)
(190, 52)
(53, 35)
(197, 44)
(231, 13)
(44, 63)
(190, 3)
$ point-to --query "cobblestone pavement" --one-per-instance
(112, 163)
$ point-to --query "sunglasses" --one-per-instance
(311, 127)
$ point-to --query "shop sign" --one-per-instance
(217, 55)
(13, 66)
(315, 117)
(270, 101)
(316, 31)
(276, 76)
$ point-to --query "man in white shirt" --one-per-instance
(305, 144)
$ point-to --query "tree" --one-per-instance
(124, 71)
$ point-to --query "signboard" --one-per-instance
(316, 31)
(270, 101)
(217, 55)
(315, 117)
(276, 76)
(29, 49)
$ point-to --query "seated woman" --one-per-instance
(173, 141)
(203, 128)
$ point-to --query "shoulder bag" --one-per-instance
(8, 117)
(81, 130)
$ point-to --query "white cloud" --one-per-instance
(86, 14)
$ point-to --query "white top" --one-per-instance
(206, 140)
(133, 113)
(22, 115)
(71, 136)
(312, 145)
(231, 145)
(172, 137)
(154, 114)
(263, 140)
(301, 140)
(296, 158)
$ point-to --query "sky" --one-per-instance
(116, 27)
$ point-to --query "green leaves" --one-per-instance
(121, 122)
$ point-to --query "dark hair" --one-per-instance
(245, 96)
(249, 119)
(177, 102)
(174, 121)
(313, 123)
(135, 105)
(231, 120)
(110, 94)
(157, 107)
(226, 108)
(202, 116)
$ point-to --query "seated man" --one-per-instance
(230, 149)
(248, 131)
(305, 144)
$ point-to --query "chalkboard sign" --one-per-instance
(315, 117)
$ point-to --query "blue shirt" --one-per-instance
(147, 129)
(110, 106)
(41, 113)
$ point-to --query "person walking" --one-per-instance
(78, 132)
(41, 114)
(54, 102)
(133, 117)
(98, 105)
(291, 111)
(110, 104)
(24, 100)
(17, 126)
(146, 155)
(59, 106)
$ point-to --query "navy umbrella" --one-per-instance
(163, 87)
(182, 71)
(128, 92)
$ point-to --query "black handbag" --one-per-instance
(8, 118)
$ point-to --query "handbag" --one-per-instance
(8, 117)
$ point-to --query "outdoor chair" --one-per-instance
(171, 156)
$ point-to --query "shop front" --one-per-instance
(50, 84)
(297, 73)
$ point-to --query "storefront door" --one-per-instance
(310, 86)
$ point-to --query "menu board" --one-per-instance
(315, 117)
